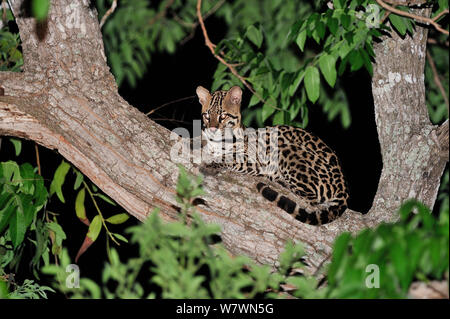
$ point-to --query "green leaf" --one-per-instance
(356, 60)
(79, 179)
(327, 64)
(120, 237)
(11, 172)
(39, 8)
(28, 178)
(17, 145)
(92, 287)
(332, 24)
(398, 23)
(338, 4)
(345, 20)
(40, 192)
(366, 60)
(320, 29)
(58, 180)
(298, 79)
(17, 228)
(94, 228)
(345, 116)
(339, 250)
(27, 209)
(6, 213)
(286, 80)
(80, 210)
(60, 235)
(105, 198)
(294, 109)
(118, 219)
(255, 35)
(278, 118)
(253, 100)
(400, 262)
(312, 83)
(301, 39)
(268, 109)
(343, 49)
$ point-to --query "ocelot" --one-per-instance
(298, 160)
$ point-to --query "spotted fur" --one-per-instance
(305, 164)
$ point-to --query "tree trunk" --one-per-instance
(414, 151)
(66, 99)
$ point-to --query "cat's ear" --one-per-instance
(203, 94)
(235, 95)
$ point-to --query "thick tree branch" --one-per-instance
(250, 225)
(412, 161)
(15, 122)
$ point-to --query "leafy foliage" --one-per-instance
(344, 37)
(184, 262)
(22, 196)
(291, 52)
(98, 222)
(28, 290)
(134, 32)
(23, 199)
(10, 53)
(415, 248)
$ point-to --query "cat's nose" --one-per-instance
(213, 129)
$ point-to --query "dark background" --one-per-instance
(171, 77)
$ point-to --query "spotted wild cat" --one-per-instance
(303, 163)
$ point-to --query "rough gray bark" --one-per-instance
(66, 99)
(414, 151)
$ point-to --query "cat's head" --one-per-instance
(221, 109)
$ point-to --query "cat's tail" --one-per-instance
(313, 218)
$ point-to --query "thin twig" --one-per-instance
(162, 119)
(415, 17)
(440, 14)
(162, 13)
(4, 8)
(108, 13)
(434, 41)
(171, 102)
(100, 213)
(408, 3)
(38, 162)
(436, 78)
(212, 47)
(213, 9)
(194, 26)
(385, 16)
(186, 24)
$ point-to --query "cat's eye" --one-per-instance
(206, 116)
(223, 116)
